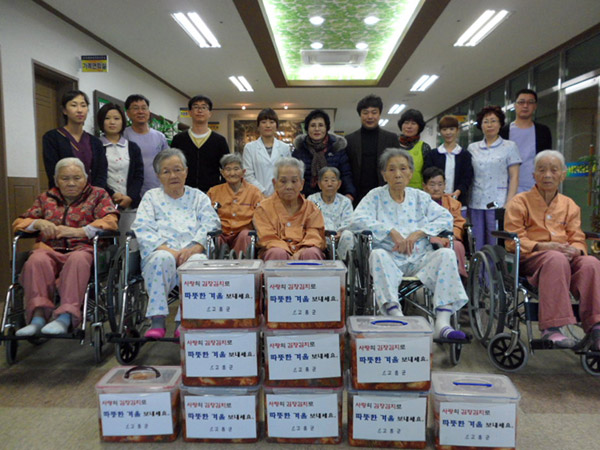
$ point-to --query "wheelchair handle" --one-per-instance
(138, 368)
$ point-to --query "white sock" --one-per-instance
(442, 319)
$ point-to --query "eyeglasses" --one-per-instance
(176, 171)
(200, 108)
(526, 102)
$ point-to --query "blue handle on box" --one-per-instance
(304, 264)
(377, 322)
(457, 383)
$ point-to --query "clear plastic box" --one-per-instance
(390, 353)
(303, 415)
(221, 293)
(305, 294)
(304, 358)
(220, 357)
(139, 404)
(387, 419)
(221, 414)
(473, 410)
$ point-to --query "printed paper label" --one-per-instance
(220, 417)
(302, 416)
(217, 355)
(136, 414)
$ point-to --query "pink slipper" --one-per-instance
(177, 332)
(155, 333)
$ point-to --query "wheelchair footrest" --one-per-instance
(75, 334)
(454, 341)
(116, 338)
(542, 344)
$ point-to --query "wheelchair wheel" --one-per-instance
(113, 283)
(591, 363)
(455, 350)
(511, 362)
(126, 352)
(97, 342)
(11, 347)
(486, 295)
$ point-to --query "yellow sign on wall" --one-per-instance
(94, 63)
(214, 126)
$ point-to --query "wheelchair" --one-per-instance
(128, 300)
(94, 303)
(501, 300)
(361, 301)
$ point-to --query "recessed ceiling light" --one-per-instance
(362, 46)
(482, 27)
(316, 45)
(241, 83)
(196, 29)
(243, 106)
(424, 82)
(317, 20)
(397, 108)
(383, 122)
(285, 107)
(371, 20)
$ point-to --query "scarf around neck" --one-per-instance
(317, 149)
(409, 141)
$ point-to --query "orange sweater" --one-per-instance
(237, 208)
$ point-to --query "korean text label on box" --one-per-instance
(393, 360)
(302, 416)
(381, 418)
(478, 424)
(136, 414)
(220, 417)
(217, 296)
(304, 299)
(293, 357)
(220, 354)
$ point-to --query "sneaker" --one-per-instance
(177, 332)
(393, 309)
(155, 333)
(55, 327)
(29, 330)
(558, 339)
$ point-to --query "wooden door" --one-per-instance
(46, 119)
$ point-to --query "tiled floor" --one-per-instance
(48, 401)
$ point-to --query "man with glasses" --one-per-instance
(150, 141)
(531, 137)
(202, 147)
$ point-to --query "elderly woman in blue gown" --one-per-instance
(402, 219)
(171, 226)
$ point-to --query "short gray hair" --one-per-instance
(66, 162)
(550, 153)
(165, 154)
(390, 153)
(231, 158)
(326, 169)
(288, 162)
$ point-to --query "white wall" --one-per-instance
(28, 34)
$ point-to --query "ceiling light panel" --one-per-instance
(343, 30)
(383, 122)
(423, 83)
(397, 108)
(241, 83)
(481, 28)
(196, 29)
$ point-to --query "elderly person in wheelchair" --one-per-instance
(171, 226)
(288, 225)
(401, 220)
(554, 253)
(67, 217)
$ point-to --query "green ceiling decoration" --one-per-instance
(342, 30)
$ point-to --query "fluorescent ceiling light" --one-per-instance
(483, 26)
(316, 20)
(362, 46)
(241, 83)
(383, 122)
(396, 108)
(371, 20)
(196, 29)
(316, 45)
(424, 82)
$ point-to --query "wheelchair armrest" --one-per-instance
(330, 233)
(108, 234)
(592, 236)
(446, 234)
(367, 233)
(26, 235)
(252, 233)
(505, 235)
(215, 233)
(130, 234)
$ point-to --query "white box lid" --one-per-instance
(460, 387)
(221, 265)
(388, 325)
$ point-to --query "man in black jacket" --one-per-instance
(531, 137)
(366, 144)
(202, 147)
